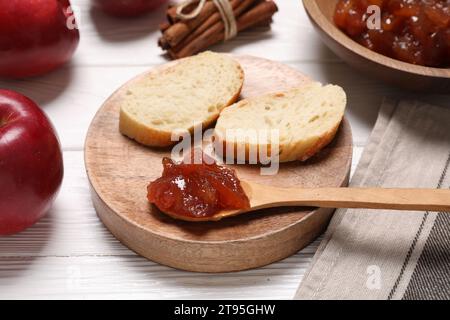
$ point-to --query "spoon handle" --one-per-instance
(367, 198)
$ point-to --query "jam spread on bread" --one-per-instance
(196, 189)
(414, 31)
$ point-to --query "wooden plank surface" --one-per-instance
(69, 254)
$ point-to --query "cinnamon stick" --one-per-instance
(264, 24)
(172, 12)
(255, 16)
(242, 6)
(162, 42)
(163, 26)
(172, 15)
(180, 30)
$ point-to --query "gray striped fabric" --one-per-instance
(431, 277)
(375, 254)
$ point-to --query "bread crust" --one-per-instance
(298, 151)
(321, 143)
(152, 137)
(157, 138)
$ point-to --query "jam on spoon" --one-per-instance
(196, 189)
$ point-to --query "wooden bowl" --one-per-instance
(398, 73)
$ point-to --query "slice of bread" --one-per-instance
(306, 118)
(190, 93)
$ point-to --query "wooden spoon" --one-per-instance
(393, 71)
(263, 197)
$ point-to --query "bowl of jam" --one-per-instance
(403, 42)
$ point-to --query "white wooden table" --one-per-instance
(70, 254)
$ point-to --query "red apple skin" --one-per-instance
(128, 8)
(36, 36)
(31, 163)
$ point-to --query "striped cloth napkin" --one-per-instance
(375, 254)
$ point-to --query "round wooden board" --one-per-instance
(119, 171)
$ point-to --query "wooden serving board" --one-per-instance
(119, 171)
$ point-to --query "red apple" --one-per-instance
(36, 36)
(31, 163)
(128, 8)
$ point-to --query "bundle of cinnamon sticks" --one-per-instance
(183, 38)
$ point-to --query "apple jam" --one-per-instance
(196, 189)
(414, 31)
